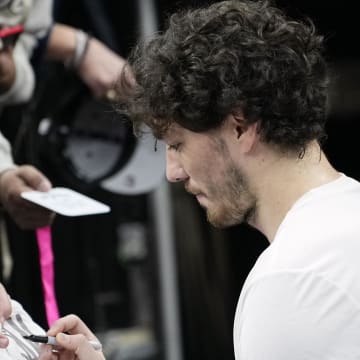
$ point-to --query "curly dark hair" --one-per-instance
(233, 55)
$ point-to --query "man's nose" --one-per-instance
(174, 169)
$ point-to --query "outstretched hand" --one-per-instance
(72, 345)
(25, 214)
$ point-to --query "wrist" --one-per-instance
(82, 40)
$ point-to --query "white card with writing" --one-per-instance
(66, 202)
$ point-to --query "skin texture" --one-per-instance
(100, 66)
(191, 158)
(26, 214)
(72, 347)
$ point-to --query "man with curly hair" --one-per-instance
(238, 91)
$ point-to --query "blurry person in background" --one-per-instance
(96, 64)
(17, 82)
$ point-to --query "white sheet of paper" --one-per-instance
(66, 202)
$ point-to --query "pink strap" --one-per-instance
(46, 257)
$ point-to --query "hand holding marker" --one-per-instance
(51, 340)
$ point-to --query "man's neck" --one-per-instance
(282, 180)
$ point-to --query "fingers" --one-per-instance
(75, 344)
(25, 214)
(47, 353)
(79, 345)
(4, 341)
(71, 324)
(33, 178)
(23, 178)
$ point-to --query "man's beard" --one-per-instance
(233, 202)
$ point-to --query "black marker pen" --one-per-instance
(51, 340)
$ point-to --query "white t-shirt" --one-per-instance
(301, 300)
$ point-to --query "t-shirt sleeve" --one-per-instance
(298, 316)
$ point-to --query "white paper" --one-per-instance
(66, 202)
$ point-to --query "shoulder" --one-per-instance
(289, 314)
(323, 224)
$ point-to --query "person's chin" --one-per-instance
(221, 218)
(215, 218)
(216, 222)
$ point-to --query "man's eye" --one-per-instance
(174, 147)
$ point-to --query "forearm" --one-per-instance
(63, 44)
(96, 64)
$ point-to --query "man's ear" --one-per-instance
(246, 134)
(239, 123)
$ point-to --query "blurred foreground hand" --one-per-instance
(13, 182)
